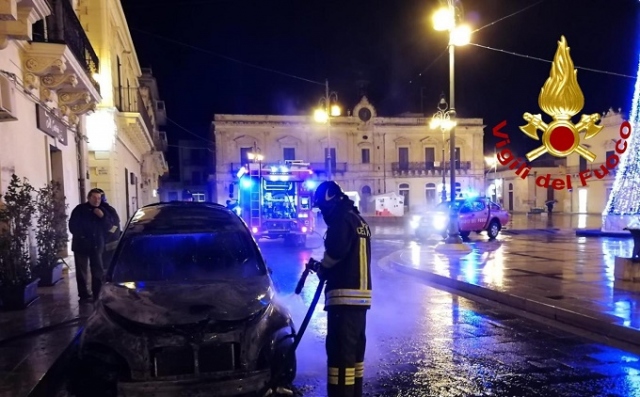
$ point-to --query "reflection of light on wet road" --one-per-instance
(493, 270)
(415, 253)
(582, 221)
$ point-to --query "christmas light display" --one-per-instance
(624, 201)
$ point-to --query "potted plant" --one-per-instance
(51, 233)
(17, 286)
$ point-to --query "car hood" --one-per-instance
(166, 304)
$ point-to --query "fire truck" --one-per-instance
(275, 200)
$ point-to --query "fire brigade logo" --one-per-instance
(561, 98)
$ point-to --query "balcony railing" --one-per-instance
(160, 141)
(427, 168)
(128, 99)
(64, 27)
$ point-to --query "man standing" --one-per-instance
(346, 267)
(88, 224)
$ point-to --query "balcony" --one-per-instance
(161, 113)
(60, 63)
(428, 168)
(160, 141)
(134, 117)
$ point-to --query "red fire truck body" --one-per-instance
(275, 200)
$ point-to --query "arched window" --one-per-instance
(511, 187)
(430, 192)
(403, 190)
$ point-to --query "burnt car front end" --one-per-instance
(158, 358)
(217, 332)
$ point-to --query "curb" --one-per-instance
(56, 375)
(594, 322)
(600, 233)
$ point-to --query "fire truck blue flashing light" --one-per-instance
(245, 183)
(283, 169)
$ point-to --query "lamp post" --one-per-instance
(443, 119)
(492, 163)
(323, 114)
(446, 19)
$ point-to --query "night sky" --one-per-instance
(381, 47)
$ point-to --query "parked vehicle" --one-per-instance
(187, 309)
(474, 215)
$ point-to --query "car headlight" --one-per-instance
(440, 222)
(415, 222)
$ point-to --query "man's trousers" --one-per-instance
(346, 342)
(89, 267)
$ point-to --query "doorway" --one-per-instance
(582, 201)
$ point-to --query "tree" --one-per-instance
(51, 234)
(15, 222)
(624, 200)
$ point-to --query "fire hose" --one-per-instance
(309, 268)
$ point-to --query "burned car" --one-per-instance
(187, 309)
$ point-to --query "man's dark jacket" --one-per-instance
(88, 229)
(348, 241)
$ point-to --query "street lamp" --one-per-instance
(327, 108)
(443, 119)
(446, 19)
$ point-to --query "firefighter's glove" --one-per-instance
(314, 265)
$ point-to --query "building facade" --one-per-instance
(592, 198)
(369, 155)
(520, 195)
(125, 144)
(47, 87)
(195, 162)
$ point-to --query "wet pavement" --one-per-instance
(424, 341)
(560, 276)
(31, 340)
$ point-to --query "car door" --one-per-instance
(466, 220)
(480, 214)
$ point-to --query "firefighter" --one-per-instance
(346, 267)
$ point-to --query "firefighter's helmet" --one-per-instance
(327, 194)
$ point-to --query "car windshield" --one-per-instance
(444, 207)
(228, 252)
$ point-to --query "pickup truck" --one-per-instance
(474, 215)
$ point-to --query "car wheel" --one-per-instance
(493, 229)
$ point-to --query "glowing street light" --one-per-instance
(256, 157)
(443, 19)
(323, 115)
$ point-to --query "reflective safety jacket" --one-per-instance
(347, 261)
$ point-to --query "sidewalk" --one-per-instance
(31, 340)
(562, 277)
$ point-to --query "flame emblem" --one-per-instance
(561, 98)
